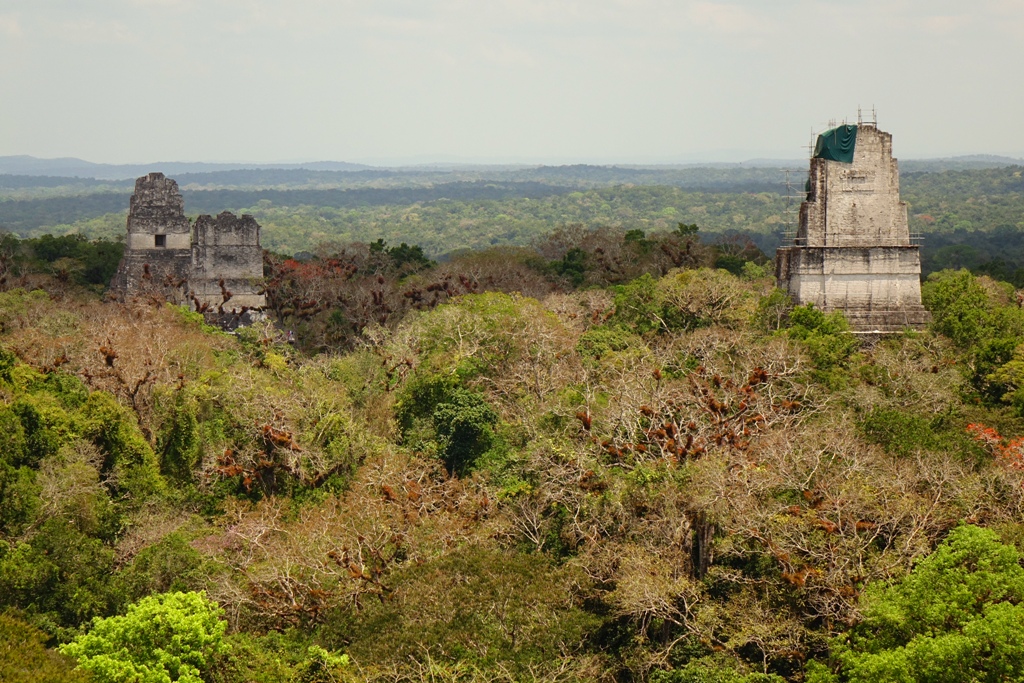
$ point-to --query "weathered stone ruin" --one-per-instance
(852, 251)
(215, 266)
(227, 260)
(158, 247)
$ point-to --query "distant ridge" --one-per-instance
(26, 167)
(69, 167)
(985, 158)
(967, 162)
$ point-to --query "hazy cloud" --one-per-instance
(729, 19)
(98, 32)
(551, 80)
(946, 24)
(10, 25)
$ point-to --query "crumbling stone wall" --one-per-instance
(227, 262)
(158, 248)
(217, 266)
(852, 250)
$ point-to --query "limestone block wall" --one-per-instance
(852, 250)
(157, 255)
(227, 259)
(855, 204)
(216, 265)
(853, 277)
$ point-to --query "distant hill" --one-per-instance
(70, 167)
(340, 173)
(67, 184)
(968, 162)
(714, 178)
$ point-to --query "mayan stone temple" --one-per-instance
(852, 251)
(215, 266)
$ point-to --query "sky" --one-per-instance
(500, 81)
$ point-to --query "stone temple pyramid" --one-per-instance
(852, 251)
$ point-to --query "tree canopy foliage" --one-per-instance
(958, 616)
(614, 454)
(966, 217)
(166, 638)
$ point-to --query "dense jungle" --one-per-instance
(965, 214)
(556, 432)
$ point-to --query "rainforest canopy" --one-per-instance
(837, 144)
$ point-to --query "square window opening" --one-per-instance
(161, 240)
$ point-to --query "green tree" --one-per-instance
(706, 670)
(959, 616)
(321, 667)
(24, 657)
(983, 318)
(477, 607)
(960, 306)
(162, 639)
(464, 424)
(573, 266)
(827, 338)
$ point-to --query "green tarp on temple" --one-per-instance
(837, 144)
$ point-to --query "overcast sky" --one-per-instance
(547, 81)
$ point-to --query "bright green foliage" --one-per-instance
(161, 639)
(960, 306)
(827, 338)
(602, 340)
(959, 616)
(322, 666)
(24, 657)
(580, 540)
(708, 671)
(981, 317)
